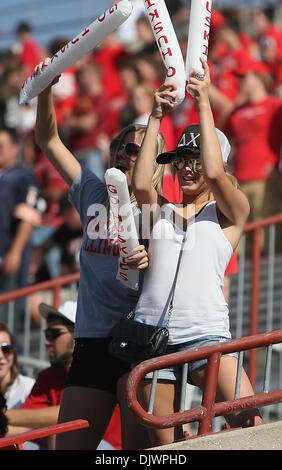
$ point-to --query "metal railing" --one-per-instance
(246, 316)
(34, 361)
(209, 409)
(255, 303)
(17, 441)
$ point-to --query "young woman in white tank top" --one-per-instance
(212, 216)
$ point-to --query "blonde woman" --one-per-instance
(90, 391)
(209, 222)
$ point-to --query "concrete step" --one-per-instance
(265, 437)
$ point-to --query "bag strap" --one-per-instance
(170, 307)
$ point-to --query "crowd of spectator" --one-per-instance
(111, 87)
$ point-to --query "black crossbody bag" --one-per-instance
(134, 342)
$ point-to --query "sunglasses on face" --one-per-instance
(7, 348)
(131, 149)
(193, 163)
(54, 333)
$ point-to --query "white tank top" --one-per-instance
(199, 306)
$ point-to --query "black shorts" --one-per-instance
(93, 367)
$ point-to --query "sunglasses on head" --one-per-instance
(7, 348)
(131, 149)
(182, 162)
(54, 333)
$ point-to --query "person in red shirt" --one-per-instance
(31, 51)
(41, 407)
(88, 118)
(255, 131)
(265, 28)
(231, 53)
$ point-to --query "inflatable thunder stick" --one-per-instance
(198, 37)
(88, 39)
(125, 224)
(168, 45)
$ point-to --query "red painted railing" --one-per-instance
(17, 441)
(208, 410)
(55, 285)
(256, 228)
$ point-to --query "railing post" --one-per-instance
(56, 296)
(209, 393)
(255, 302)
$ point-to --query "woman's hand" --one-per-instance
(200, 88)
(139, 260)
(164, 98)
(39, 68)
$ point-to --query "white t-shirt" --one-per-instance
(17, 393)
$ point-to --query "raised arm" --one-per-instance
(231, 202)
(142, 187)
(47, 137)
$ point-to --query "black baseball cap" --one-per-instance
(190, 142)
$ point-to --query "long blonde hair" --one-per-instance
(230, 176)
(157, 180)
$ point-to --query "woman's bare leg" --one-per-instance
(135, 436)
(166, 402)
(226, 391)
(95, 406)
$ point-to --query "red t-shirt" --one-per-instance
(47, 390)
(113, 431)
(256, 131)
(31, 55)
(107, 56)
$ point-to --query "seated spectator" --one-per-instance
(265, 27)
(14, 386)
(41, 407)
(31, 51)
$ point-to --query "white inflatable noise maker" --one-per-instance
(168, 45)
(198, 37)
(87, 40)
(125, 225)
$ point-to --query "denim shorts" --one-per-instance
(174, 373)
